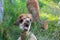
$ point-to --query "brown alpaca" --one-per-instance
(33, 8)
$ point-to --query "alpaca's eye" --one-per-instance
(30, 20)
(21, 21)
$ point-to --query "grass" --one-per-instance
(49, 11)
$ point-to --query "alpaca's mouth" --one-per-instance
(26, 26)
(25, 29)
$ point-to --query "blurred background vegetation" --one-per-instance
(49, 10)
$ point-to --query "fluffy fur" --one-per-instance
(24, 22)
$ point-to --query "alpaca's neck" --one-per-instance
(23, 35)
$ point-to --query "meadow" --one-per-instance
(49, 10)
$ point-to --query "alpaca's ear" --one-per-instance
(16, 23)
(21, 16)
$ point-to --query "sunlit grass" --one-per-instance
(49, 16)
(50, 3)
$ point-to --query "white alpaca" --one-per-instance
(24, 22)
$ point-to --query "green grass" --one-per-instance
(49, 10)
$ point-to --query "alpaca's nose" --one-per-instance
(26, 24)
(27, 21)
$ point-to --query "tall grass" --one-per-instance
(12, 9)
